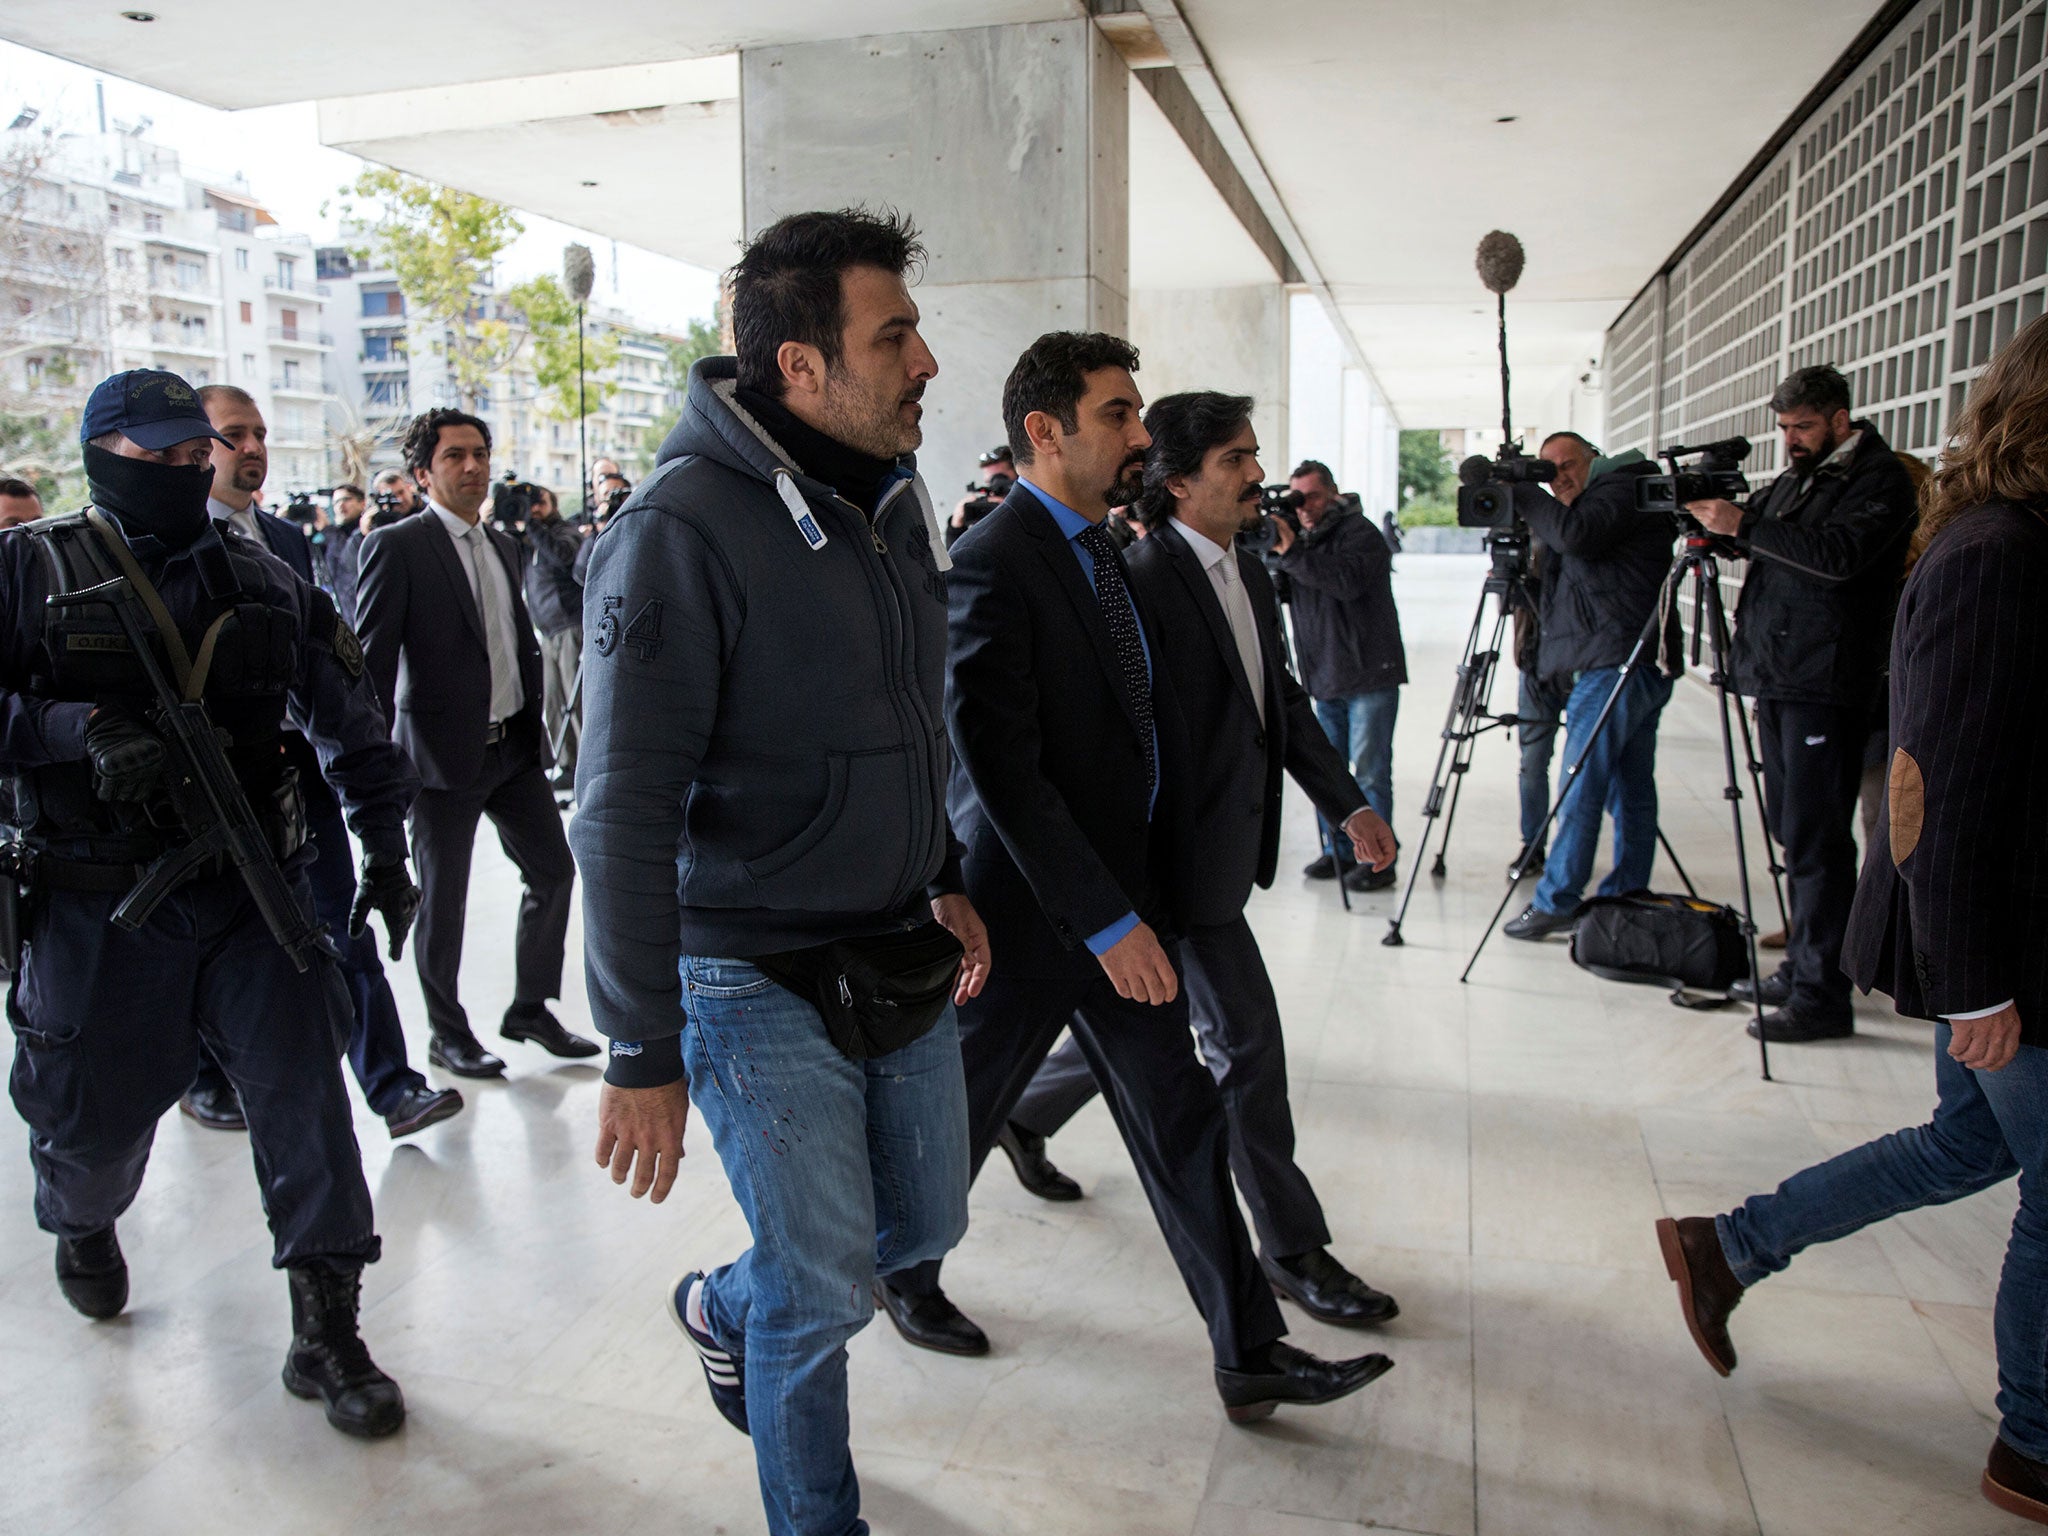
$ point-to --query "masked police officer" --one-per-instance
(107, 1016)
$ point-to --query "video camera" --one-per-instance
(302, 509)
(1485, 486)
(511, 502)
(1276, 503)
(1716, 477)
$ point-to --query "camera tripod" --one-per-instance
(1697, 560)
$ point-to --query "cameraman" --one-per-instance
(1348, 638)
(1606, 566)
(612, 491)
(998, 474)
(1826, 543)
(554, 599)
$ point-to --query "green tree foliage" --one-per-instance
(1425, 467)
(41, 447)
(550, 316)
(704, 338)
(440, 244)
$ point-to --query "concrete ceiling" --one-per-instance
(1375, 120)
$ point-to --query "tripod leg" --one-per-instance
(1756, 783)
(1683, 878)
(1718, 631)
(1569, 779)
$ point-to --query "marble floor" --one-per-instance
(1494, 1153)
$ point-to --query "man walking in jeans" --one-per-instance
(783, 548)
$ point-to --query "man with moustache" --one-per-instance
(762, 822)
(1211, 610)
(376, 1044)
(1071, 763)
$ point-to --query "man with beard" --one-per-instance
(107, 1013)
(376, 1041)
(1827, 545)
(1071, 766)
(762, 778)
(1211, 609)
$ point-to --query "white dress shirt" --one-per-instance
(1220, 564)
(241, 519)
(492, 591)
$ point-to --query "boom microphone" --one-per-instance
(579, 271)
(1500, 261)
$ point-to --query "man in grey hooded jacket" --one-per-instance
(763, 773)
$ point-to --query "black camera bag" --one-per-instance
(1678, 942)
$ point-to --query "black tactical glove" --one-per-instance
(127, 756)
(387, 889)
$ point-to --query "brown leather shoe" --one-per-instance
(1707, 1288)
(2016, 1484)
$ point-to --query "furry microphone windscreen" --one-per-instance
(1500, 261)
(579, 272)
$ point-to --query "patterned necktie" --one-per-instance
(1114, 598)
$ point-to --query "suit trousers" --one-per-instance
(1237, 1025)
(1168, 1111)
(1813, 765)
(512, 790)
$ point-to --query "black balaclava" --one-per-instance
(166, 501)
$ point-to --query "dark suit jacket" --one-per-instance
(1953, 902)
(1227, 808)
(424, 641)
(1048, 788)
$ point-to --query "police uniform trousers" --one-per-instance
(1165, 1106)
(376, 1038)
(107, 1025)
(1237, 1025)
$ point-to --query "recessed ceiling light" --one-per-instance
(1508, 119)
(138, 15)
(590, 183)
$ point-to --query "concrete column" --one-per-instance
(1229, 339)
(1009, 147)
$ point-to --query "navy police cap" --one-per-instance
(151, 408)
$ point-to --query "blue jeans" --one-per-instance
(1362, 728)
(1539, 707)
(1987, 1126)
(842, 1168)
(1619, 774)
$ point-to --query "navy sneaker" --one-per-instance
(724, 1373)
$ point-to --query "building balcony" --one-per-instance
(299, 336)
(199, 292)
(385, 364)
(172, 241)
(305, 389)
(175, 338)
(278, 286)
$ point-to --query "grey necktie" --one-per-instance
(487, 610)
(1237, 608)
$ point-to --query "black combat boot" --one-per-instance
(328, 1359)
(92, 1274)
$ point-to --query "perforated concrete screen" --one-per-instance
(1901, 235)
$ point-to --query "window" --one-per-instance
(124, 259)
(285, 266)
(113, 210)
(382, 301)
(249, 365)
(32, 371)
(153, 223)
(288, 324)
(248, 313)
(241, 260)
(191, 273)
(201, 377)
(291, 374)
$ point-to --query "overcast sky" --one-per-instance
(278, 152)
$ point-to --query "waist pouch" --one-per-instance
(876, 994)
(1678, 942)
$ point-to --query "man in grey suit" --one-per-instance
(457, 668)
(1216, 628)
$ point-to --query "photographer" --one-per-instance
(1606, 566)
(1826, 543)
(998, 474)
(554, 598)
(1348, 637)
(612, 496)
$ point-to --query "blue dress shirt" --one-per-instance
(1072, 526)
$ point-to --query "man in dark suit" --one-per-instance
(1067, 744)
(457, 668)
(1212, 616)
(1947, 918)
(405, 1100)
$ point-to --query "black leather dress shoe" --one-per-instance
(1535, 924)
(1328, 1292)
(1776, 990)
(537, 1025)
(464, 1056)
(216, 1107)
(1324, 868)
(421, 1107)
(92, 1274)
(1035, 1171)
(1793, 1026)
(1363, 877)
(1297, 1377)
(1520, 869)
(931, 1322)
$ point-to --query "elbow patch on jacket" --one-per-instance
(1906, 804)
